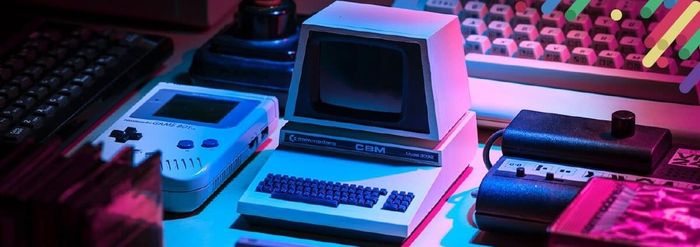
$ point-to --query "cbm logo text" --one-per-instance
(370, 148)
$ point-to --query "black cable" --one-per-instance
(487, 147)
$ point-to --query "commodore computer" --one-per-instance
(378, 125)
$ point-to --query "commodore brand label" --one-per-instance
(370, 149)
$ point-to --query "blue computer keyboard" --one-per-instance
(332, 194)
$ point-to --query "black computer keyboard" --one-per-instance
(332, 194)
(57, 79)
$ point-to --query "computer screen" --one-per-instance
(363, 79)
(346, 76)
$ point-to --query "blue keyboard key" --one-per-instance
(398, 201)
(305, 199)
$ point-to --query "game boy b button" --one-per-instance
(210, 143)
(185, 144)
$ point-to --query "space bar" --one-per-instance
(305, 199)
(616, 82)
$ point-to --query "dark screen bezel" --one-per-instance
(414, 113)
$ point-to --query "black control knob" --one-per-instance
(623, 124)
(265, 19)
(520, 172)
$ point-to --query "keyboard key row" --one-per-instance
(561, 53)
(583, 22)
(319, 192)
(486, 9)
(551, 35)
(332, 194)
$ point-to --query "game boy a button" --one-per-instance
(210, 143)
(185, 144)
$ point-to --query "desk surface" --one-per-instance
(215, 223)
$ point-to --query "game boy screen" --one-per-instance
(197, 109)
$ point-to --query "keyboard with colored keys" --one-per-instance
(56, 79)
(592, 53)
(332, 194)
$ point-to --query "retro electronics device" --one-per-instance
(548, 158)
(204, 136)
(378, 125)
(255, 53)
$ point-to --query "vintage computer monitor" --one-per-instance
(379, 126)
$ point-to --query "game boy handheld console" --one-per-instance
(204, 136)
(549, 158)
